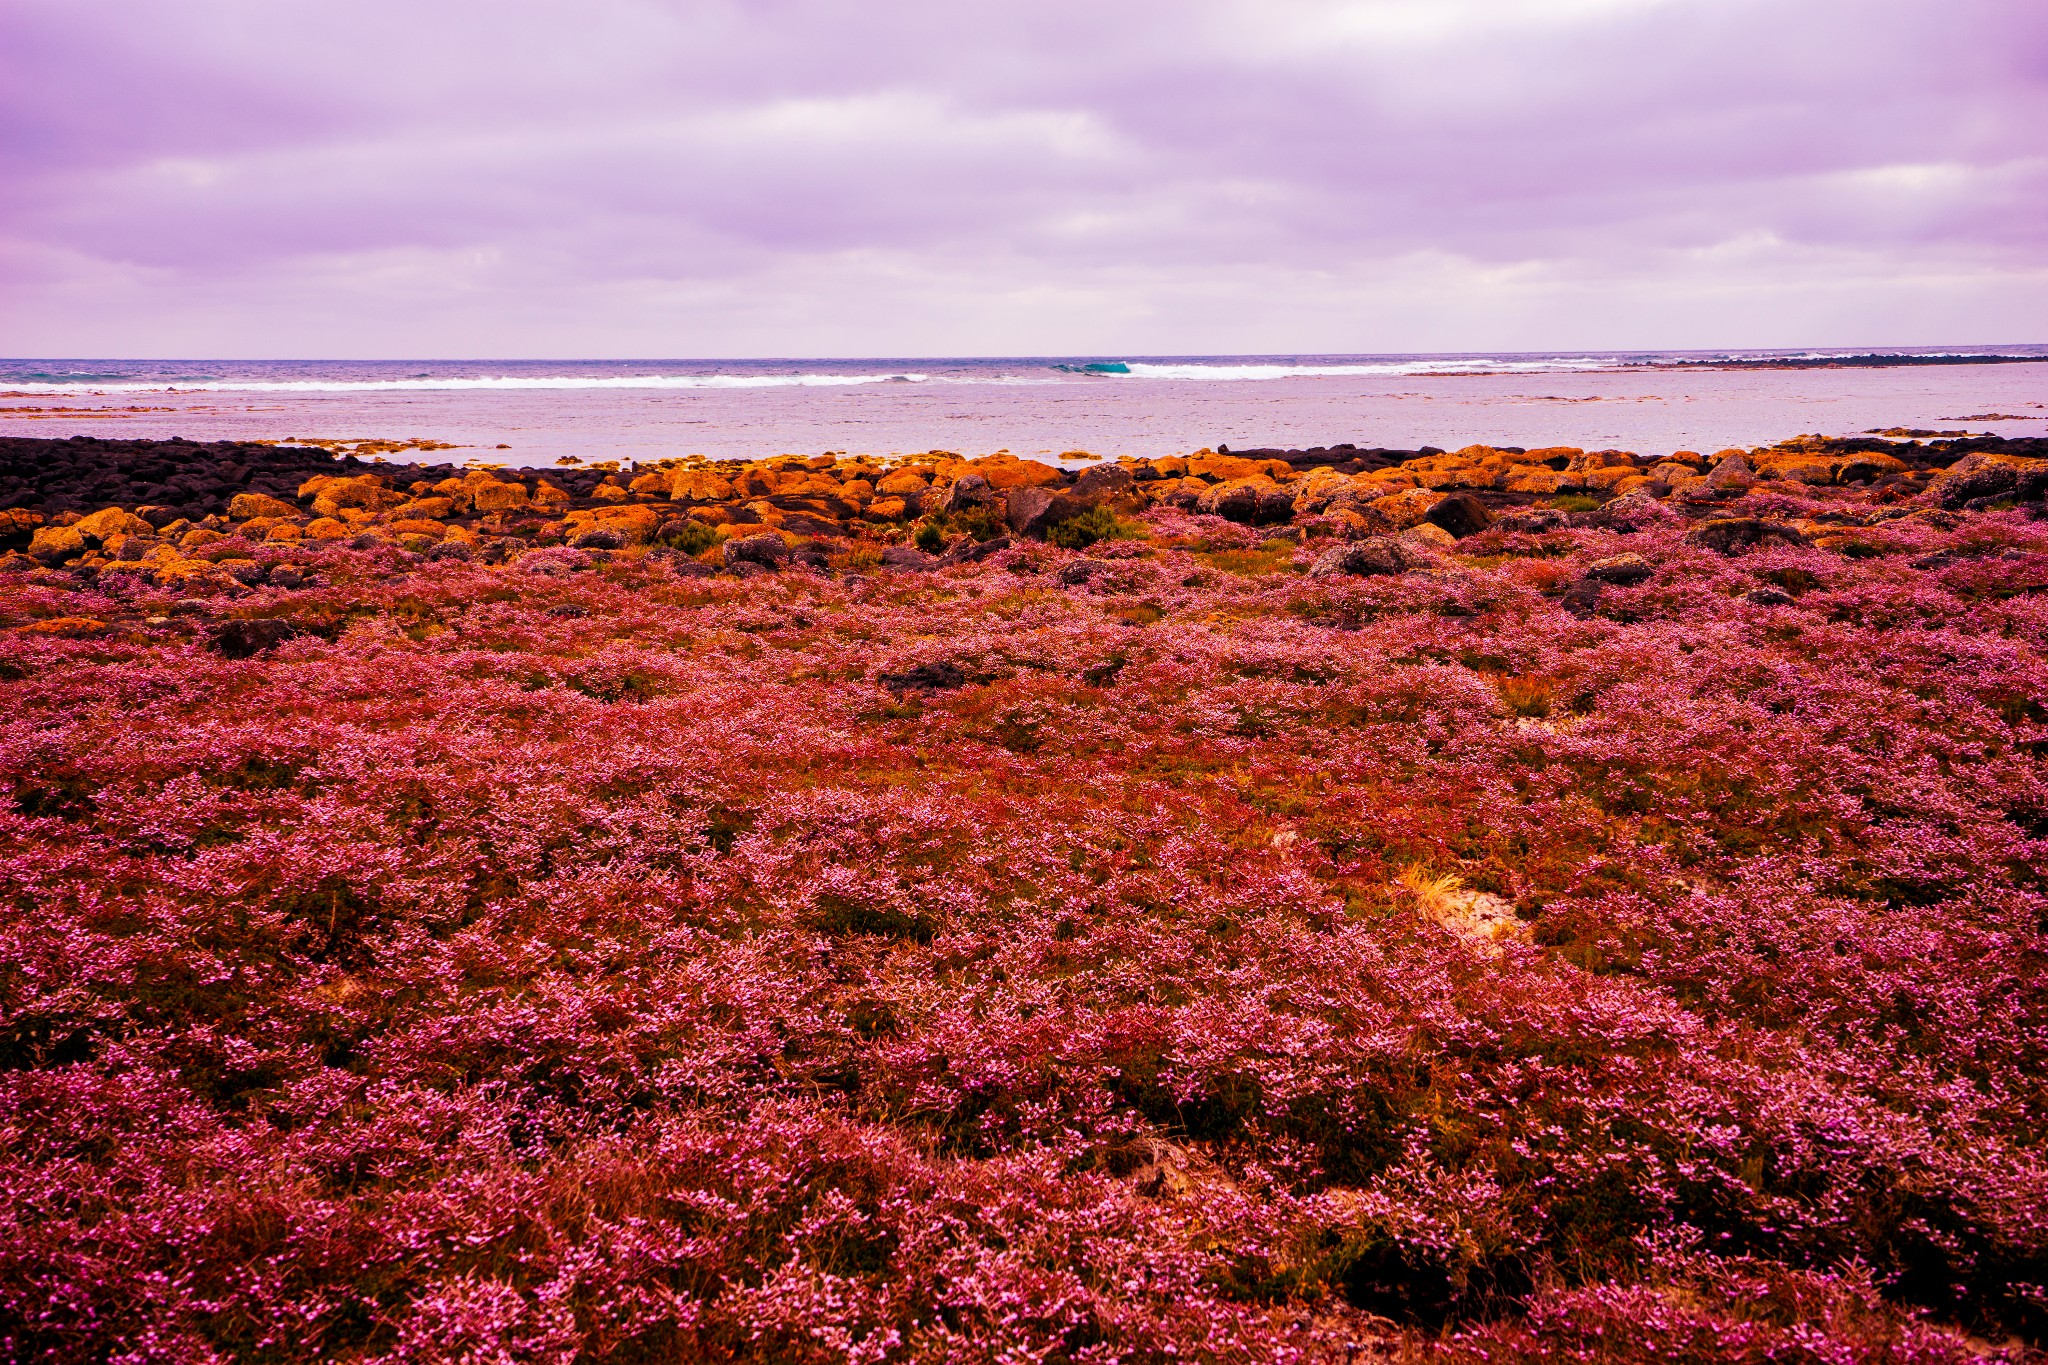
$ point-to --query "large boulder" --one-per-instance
(1101, 482)
(633, 524)
(1733, 535)
(55, 544)
(1732, 472)
(969, 493)
(497, 497)
(766, 550)
(1372, 557)
(112, 521)
(1256, 501)
(245, 639)
(1621, 570)
(244, 506)
(1461, 514)
(1993, 475)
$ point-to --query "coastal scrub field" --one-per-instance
(1377, 905)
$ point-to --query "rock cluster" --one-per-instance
(183, 513)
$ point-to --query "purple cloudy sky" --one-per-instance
(785, 177)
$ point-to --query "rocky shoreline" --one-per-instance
(185, 514)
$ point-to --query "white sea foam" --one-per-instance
(438, 383)
(1463, 365)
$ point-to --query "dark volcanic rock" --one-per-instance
(175, 478)
(1461, 514)
(244, 639)
(1732, 535)
(1371, 557)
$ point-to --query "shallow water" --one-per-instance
(542, 410)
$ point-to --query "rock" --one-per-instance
(1101, 482)
(698, 485)
(634, 525)
(1256, 501)
(1621, 570)
(608, 492)
(496, 497)
(244, 639)
(888, 509)
(1461, 514)
(1995, 476)
(765, 551)
(568, 611)
(1732, 535)
(55, 544)
(1732, 472)
(1428, 536)
(1081, 570)
(599, 539)
(63, 627)
(1407, 508)
(969, 493)
(973, 552)
(1372, 557)
(1633, 511)
(940, 676)
(447, 549)
(112, 521)
(1768, 597)
(243, 506)
(903, 483)
(908, 557)
(1029, 510)
(1534, 521)
(1007, 472)
(365, 491)
(1582, 596)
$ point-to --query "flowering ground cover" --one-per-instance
(1575, 942)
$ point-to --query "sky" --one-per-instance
(661, 178)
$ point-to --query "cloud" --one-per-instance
(791, 176)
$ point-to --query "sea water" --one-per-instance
(534, 412)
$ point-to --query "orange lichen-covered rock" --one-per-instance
(113, 521)
(1406, 509)
(609, 492)
(321, 528)
(1535, 479)
(243, 506)
(698, 485)
(547, 495)
(417, 526)
(365, 491)
(423, 509)
(63, 627)
(887, 509)
(54, 543)
(1221, 468)
(902, 483)
(199, 536)
(284, 530)
(654, 483)
(1007, 471)
(498, 497)
(635, 522)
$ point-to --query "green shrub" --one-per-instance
(1574, 502)
(1097, 523)
(693, 538)
(930, 537)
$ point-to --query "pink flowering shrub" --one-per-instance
(976, 966)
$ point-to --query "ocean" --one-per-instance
(534, 412)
